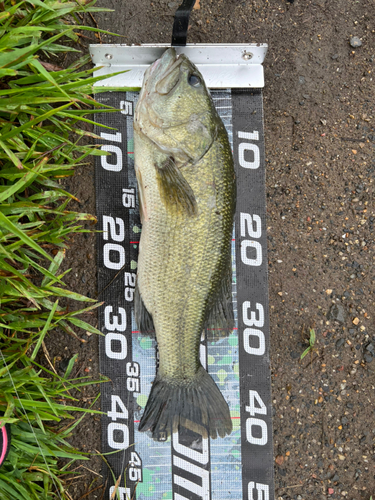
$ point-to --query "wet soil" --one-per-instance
(319, 106)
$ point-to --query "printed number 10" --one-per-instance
(251, 147)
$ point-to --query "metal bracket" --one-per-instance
(222, 65)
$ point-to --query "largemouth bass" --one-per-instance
(187, 197)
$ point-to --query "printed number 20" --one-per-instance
(251, 226)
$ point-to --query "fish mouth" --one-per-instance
(163, 74)
(160, 78)
(164, 63)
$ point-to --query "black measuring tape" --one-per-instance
(241, 465)
(181, 23)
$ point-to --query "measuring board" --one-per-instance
(186, 466)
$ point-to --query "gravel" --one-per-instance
(355, 42)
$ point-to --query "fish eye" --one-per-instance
(194, 81)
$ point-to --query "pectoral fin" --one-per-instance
(175, 191)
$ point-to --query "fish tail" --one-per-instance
(197, 403)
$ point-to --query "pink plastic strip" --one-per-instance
(5, 444)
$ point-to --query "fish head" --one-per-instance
(175, 109)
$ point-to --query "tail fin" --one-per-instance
(199, 401)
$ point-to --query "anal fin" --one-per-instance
(220, 319)
(142, 317)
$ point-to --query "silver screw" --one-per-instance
(108, 56)
(247, 56)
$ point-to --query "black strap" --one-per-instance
(181, 23)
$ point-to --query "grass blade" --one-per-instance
(44, 331)
(7, 224)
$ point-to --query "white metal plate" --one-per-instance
(221, 65)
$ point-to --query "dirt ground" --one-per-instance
(319, 106)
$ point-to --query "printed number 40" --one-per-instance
(251, 408)
(114, 414)
(118, 429)
(256, 406)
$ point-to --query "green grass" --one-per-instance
(311, 347)
(42, 109)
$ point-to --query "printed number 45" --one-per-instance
(135, 467)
